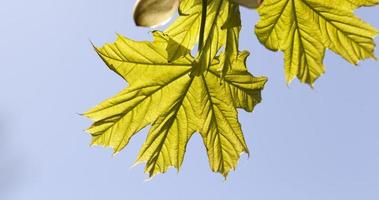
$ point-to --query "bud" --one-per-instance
(152, 13)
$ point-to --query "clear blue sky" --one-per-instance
(305, 144)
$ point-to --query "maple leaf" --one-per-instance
(223, 26)
(233, 28)
(303, 29)
(176, 104)
(185, 30)
(354, 3)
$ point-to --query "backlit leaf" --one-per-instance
(303, 29)
(176, 104)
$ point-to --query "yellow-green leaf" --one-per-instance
(186, 29)
(355, 3)
(303, 29)
(175, 104)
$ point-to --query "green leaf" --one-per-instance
(214, 36)
(175, 104)
(233, 28)
(185, 29)
(303, 29)
(222, 24)
(355, 3)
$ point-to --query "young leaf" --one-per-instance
(186, 29)
(303, 29)
(176, 105)
(223, 26)
(233, 28)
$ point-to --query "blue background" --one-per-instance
(305, 144)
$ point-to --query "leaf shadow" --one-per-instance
(173, 48)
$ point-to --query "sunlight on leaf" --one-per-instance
(176, 105)
(303, 29)
(179, 94)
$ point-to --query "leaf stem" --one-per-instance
(202, 24)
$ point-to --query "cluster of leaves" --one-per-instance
(179, 94)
